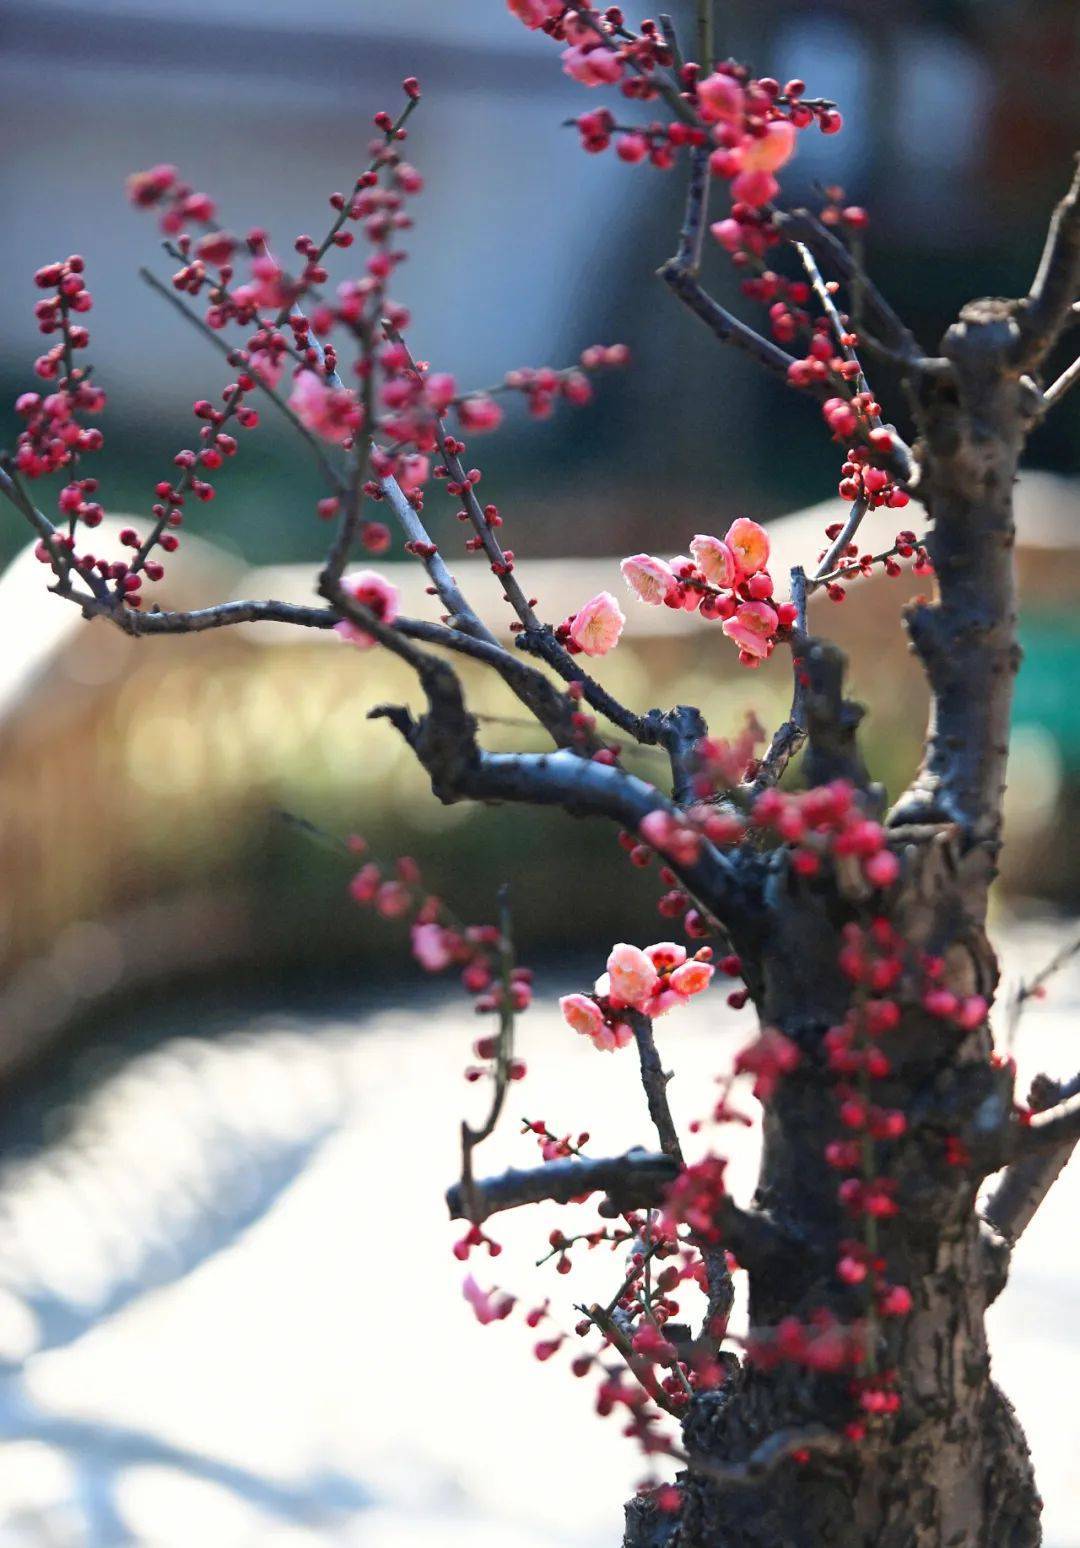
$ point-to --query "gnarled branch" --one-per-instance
(1046, 308)
(635, 1180)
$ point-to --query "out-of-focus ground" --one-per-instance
(229, 1314)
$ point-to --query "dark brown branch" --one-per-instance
(634, 1181)
(1046, 308)
(688, 257)
(450, 594)
(790, 736)
(832, 750)
(839, 547)
(655, 1082)
(678, 731)
(640, 1369)
(966, 639)
(729, 330)
(1057, 1128)
(720, 322)
(802, 226)
(1045, 1149)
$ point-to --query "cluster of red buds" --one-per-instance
(656, 142)
(827, 822)
(853, 565)
(52, 437)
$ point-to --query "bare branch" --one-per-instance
(839, 547)
(802, 226)
(1046, 308)
(1045, 1148)
(654, 1080)
(832, 750)
(722, 323)
(450, 595)
(692, 234)
(1057, 389)
(1057, 1128)
(634, 1181)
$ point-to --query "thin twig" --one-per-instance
(655, 1083)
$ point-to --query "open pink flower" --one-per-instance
(651, 580)
(581, 1014)
(608, 1039)
(592, 66)
(715, 560)
(666, 955)
(433, 946)
(749, 542)
(771, 150)
(330, 412)
(585, 1016)
(631, 975)
(754, 188)
(413, 471)
(534, 13)
(371, 591)
(489, 1305)
(479, 413)
(266, 365)
(596, 627)
(691, 977)
(720, 99)
(753, 628)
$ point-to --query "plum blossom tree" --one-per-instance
(860, 1408)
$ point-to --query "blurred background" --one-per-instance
(206, 1317)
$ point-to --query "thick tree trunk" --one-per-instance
(951, 1467)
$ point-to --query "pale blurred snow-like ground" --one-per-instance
(303, 1369)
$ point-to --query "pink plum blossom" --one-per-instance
(754, 188)
(749, 542)
(592, 66)
(596, 627)
(770, 151)
(692, 977)
(266, 365)
(581, 1014)
(720, 99)
(715, 560)
(413, 471)
(608, 1039)
(489, 1305)
(373, 592)
(753, 628)
(330, 412)
(479, 413)
(534, 13)
(433, 946)
(666, 955)
(651, 580)
(631, 975)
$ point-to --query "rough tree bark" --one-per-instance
(953, 1468)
